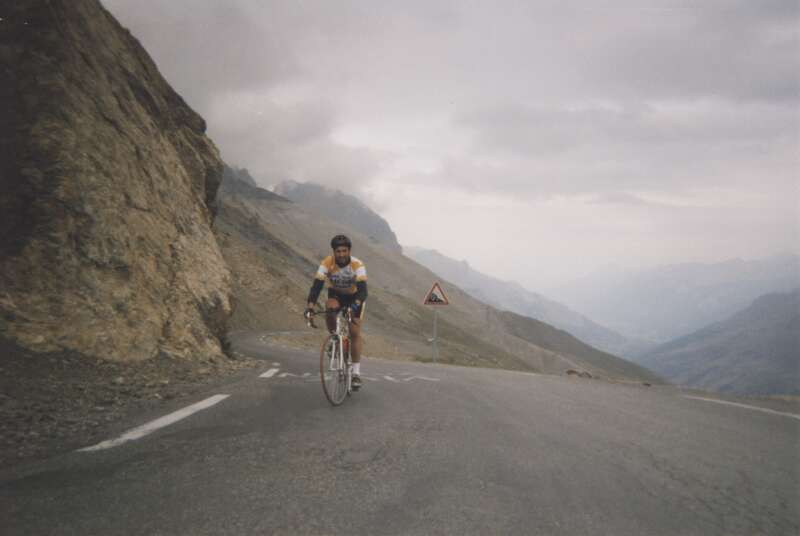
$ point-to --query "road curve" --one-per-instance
(425, 449)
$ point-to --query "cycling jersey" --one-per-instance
(340, 279)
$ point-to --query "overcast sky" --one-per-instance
(539, 140)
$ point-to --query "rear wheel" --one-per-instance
(333, 371)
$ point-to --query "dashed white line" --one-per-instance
(152, 426)
(288, 374)
(756, 408)
(270, 373)
(312, 377)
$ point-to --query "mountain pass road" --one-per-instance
(421, 449)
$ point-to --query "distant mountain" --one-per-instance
(340, 207)
(664, 303)
(239, 181)
(551, 338)
(273, 245)
(511, 296)
(756, 351)
(241, 174)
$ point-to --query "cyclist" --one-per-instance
(347, 287)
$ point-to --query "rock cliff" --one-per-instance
(107, 181)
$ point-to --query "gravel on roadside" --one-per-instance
(57, 401)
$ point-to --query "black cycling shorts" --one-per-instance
(346, 300)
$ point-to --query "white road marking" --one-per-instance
(314, 376)
(420, 378)
(152, 426)
(765, 410)
(276, 364)
(270, 373)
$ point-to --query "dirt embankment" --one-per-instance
(58, 401)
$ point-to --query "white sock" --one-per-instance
(357, 369)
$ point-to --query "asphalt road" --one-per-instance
(425, 449)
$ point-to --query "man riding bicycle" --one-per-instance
(347, 287)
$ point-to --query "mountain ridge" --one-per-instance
(756, 351)
(666, 302)
(342, 207)
(470, 332)
(512, 296)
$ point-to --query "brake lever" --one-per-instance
(310, 321)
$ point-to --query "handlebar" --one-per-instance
(310, 318)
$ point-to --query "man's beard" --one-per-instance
(344, 263)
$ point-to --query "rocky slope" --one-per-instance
(273, 246)
(756, 351)
(341, 207)
(108, 182)
(586, 357)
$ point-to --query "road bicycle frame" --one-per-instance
(336, 368)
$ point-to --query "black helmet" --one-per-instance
(341, 240)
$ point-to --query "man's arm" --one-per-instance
(361, 284)
(319, 282)
(361, 292)
(313, 294)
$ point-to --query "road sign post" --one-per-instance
(435, 296)
(435, 347)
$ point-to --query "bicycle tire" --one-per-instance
(334, 381)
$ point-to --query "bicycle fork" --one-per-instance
(341, 362)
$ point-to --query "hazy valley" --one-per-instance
(666, 302)
(756, 351)
(753, 353)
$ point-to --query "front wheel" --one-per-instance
(333, 371)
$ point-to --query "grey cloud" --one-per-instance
(538, 130)
(225, 58)
(723, 49)
(659, 50)
(290, 142)
(612, 104)
(621, 199)
(206, 48)
(551, 151)
(237, 119)
(321, 162)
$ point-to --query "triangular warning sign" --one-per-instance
(435, 296)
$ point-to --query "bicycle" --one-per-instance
(335, 362)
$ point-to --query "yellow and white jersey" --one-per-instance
(342, 279)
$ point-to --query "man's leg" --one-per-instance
(356, 343)
(355, 340)
(332, 305)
